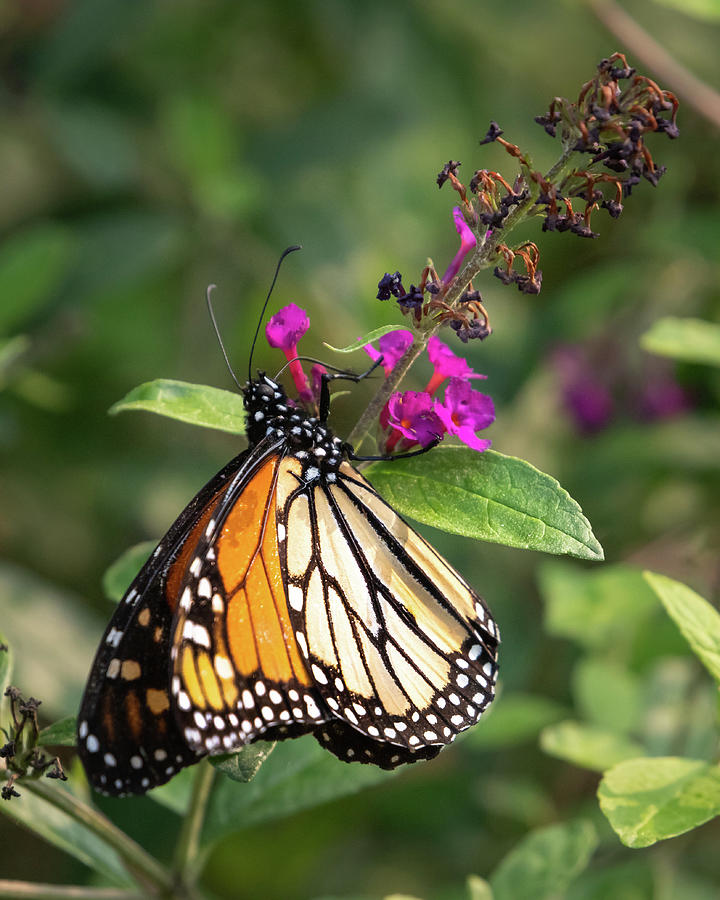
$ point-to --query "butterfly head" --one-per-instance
(270, 412)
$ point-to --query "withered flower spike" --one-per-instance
(450, 168)
(492, 134)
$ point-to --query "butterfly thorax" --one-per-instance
(270, 413)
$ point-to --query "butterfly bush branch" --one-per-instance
(143, 867)
(36, 891)
(604, 156)
(187, 862)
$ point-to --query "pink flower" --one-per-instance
(464, 412)
(284, 330)
(392, 348)
(411, 414)
(467, 242)
(286, 327)
(446, 365)
(316, 374)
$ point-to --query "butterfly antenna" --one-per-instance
(211, 288)
(285, 253)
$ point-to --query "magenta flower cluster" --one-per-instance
(410, 417)
(418, 417)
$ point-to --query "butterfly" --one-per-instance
(287, 598)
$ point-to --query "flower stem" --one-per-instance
(187, 859)
(22, 889)
(143, 867)
(481, 258)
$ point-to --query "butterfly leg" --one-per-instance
(389, 457)
(326, 378)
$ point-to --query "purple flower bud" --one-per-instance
(467, 242)
(464, 412)
(286, 327)
(412, 414)
(392, 348)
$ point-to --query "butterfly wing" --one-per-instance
(128, 738)
(400, 648)
(238, 670)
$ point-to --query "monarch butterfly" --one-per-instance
(287, 598)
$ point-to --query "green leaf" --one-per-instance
(298, 774)
(587, 746)
(689, 340)
(195, 404)
(119, 576)
(478, 888)
(62, 733)
(11, 350)
(59, 829)
(607, 693)
(544, 864)
(365, 339)
(489, 497)
(513, 720)
(244, 765)
(698, 621)
(654, 798)
(33, 265)
(596, 609)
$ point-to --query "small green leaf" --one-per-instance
(689, 340)
(698, 621)
(365, 339)
(119, 576)
(650, 799)
(62, 733)
(544, 864)
(587, 746)
(297, 775)
(196, 404)
(596, 609)
(478, 888)
(57, 828)
(245, 764)
(489, 497)
(514, 720)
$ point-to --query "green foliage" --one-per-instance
(33, 265)
(195, 404)
(516, 720)
(690, 340)
(588, 746)
(67, 834)
(698, 621)
(119, 576)
(60, 734)
(245, 765)
(596, 609)
(297, 775)
(651, 799)
(544, 864)
(489, 497)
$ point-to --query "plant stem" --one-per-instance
(140, 864)
(186, 863)
(480, 259)
(22, 889)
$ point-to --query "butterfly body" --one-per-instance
(287, 598)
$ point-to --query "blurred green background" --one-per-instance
(148, 149)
